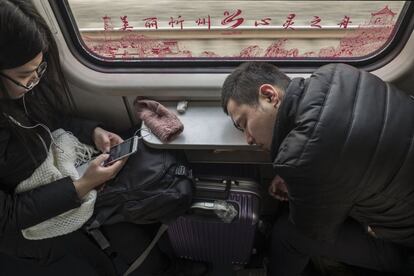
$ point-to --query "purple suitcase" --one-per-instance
(203, 236)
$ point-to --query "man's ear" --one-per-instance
(270, 93)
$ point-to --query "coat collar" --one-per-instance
(287, 112)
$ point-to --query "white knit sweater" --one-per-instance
(64, 153)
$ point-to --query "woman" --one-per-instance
(34, 102)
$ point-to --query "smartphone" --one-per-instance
(122, 150)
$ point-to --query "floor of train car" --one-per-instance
(318, 267)
(11, 267)
(315, 268)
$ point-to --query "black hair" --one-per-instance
(23, 35)
(243, 84)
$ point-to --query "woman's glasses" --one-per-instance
(40, 71)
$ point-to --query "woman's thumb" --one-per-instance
(101, 158)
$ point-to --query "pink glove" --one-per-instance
(162, 122)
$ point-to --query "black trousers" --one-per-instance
(291, 251)
(130, 240)
(77, 254)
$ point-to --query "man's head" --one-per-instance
(251, 96)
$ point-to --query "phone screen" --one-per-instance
(118, 151)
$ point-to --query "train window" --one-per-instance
(234, 30)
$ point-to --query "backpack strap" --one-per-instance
(93, 230)
(145, 254)
(102, 241)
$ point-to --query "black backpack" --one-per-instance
(154, 186)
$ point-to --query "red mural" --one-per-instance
(135, 46)
(209, 54)
(174, 22)
(315, 23)
(151, 22)
(204, 21)
(345, 22)
(251, 51)
(125, 24)
(365, 40)
(263, 22)
(277, 49)
(289, 21)
(231, 19)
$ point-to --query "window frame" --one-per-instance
(71, 34)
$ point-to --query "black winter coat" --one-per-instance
(344, 143)
(19, 211)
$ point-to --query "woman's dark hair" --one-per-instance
(23, 35)
(243, 84)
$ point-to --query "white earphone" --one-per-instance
(14, 121)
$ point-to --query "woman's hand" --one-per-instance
(104, 140)
(278, 189)
(96, 174)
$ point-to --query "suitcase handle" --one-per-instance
(222, 209)
(225, 193)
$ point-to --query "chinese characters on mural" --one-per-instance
(366, 39)
(203, 21)
(232, 20)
